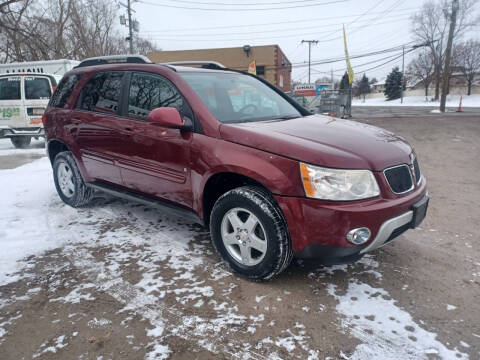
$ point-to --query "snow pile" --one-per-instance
(452, 101)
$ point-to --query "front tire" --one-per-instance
(21, 142)
(249, 232)
(69, 182)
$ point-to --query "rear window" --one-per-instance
(10, 88)
(37, 88)
(64, 90)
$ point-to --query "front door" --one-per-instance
(155, 160)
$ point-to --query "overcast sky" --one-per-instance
(371, 25)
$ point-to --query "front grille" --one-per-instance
(416, 169)
(399, 178)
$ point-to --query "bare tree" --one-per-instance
(467, 60)
(421, 69)
(55, 29)
(5, 5)
(430, 25)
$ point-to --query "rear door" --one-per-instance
(37, 93)
(155, 160)
(97, 125)
(12, 112)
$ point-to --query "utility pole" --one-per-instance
(448, 55)
(310, 42)
(130, 26)
(133, 25)
(403, 74)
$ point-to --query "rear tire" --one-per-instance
(249, 232)
(69, 182)
(21, 142)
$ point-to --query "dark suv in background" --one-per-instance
(232, 152)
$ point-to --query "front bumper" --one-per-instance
(318, 228)
(8, 132)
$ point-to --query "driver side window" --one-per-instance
(149, 91)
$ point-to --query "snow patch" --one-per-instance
(452, 101)
(386, 331)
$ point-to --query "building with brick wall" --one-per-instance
(271, 62)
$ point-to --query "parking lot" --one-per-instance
(118, 280)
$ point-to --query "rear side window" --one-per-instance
(10, 88)
(148, 91)
(64, 90)
(102, 92)
(37, 88)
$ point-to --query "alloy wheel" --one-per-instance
(243, 236)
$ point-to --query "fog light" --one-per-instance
(358, 236)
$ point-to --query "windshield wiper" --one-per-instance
(282, 118)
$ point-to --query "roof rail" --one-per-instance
(115, 59)
(202, 64)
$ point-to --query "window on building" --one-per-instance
(261, 70)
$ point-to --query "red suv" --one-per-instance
(232, 152)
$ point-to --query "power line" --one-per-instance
(240, 9)
(372, 62)
(361, 28)
(268, 24)
(387, 62)
(242, 4)
(192, 37)
(329, 60)
(329, 25)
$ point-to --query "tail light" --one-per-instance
(44, 118)
(53, 89)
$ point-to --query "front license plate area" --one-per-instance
(419, 211)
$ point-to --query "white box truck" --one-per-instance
(52, 67)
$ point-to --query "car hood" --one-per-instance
(322, 140)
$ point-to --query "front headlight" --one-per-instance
(335, 184)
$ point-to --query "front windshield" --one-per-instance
(236, 98)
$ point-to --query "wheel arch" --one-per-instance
(54, 147)
(221, 182)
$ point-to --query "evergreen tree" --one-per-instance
(364, 86)
(344, 84)
(393, 84)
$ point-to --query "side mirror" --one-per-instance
(166, 117)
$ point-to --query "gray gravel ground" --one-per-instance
(129, 282)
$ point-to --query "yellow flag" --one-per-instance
(349, 66)
(252, 68)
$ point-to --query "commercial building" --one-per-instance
(271, 62)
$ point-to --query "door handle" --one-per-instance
(76, 121)
(128, 129)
